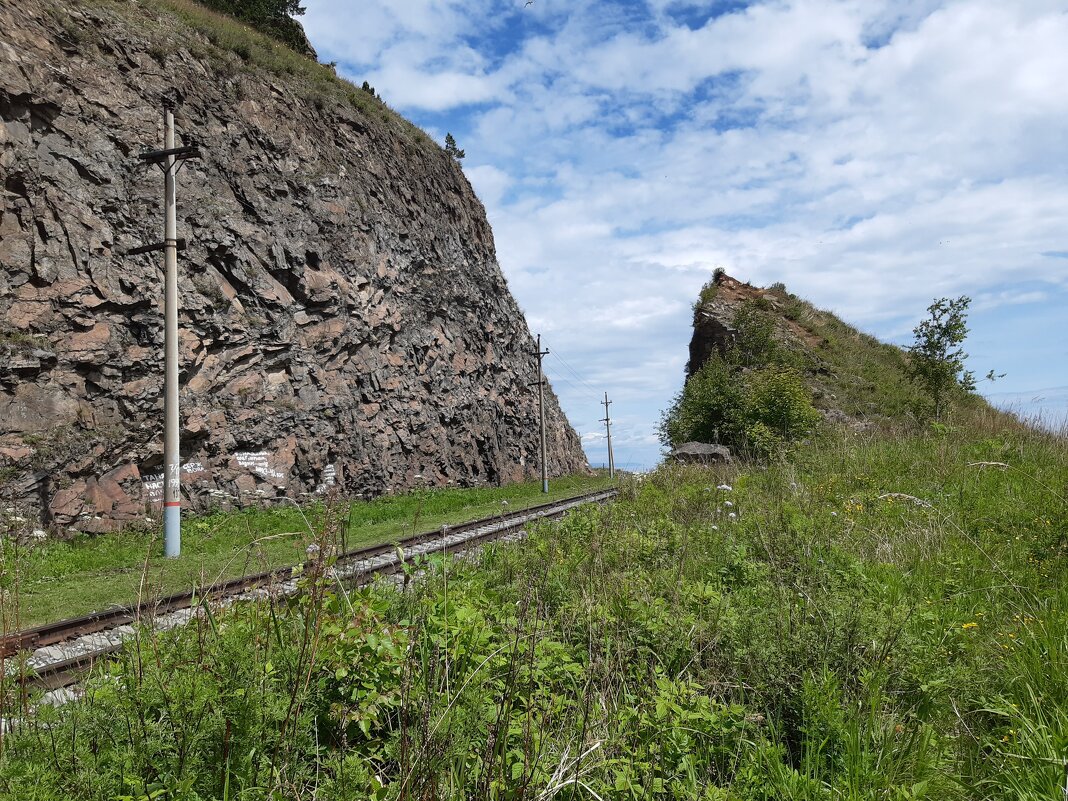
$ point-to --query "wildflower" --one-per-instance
(972, 625)
(724, 487)
(732, 516)
(728, 504)
(715, 528)
(312, 550)
(834, 514)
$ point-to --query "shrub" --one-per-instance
(755, 342)
(273, 17)
(778, 409)
(762, 411)
(707, 294)
(706, 408)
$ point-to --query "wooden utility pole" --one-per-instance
(169, 160)
(540, 354)
(608, 428)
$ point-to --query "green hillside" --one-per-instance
(763, 362)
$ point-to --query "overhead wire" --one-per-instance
(574, 373)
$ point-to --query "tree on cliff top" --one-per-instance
(452, 149)
(273, 17)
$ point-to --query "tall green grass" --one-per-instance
(878, 618)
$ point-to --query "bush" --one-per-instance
(273, 17)
(778, 410)
(707, 295)
(755, 342)
(706, 409)
(761, 411)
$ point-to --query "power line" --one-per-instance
(574, 373)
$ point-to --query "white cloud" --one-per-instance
(871, 154)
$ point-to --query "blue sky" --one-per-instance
(872, 154)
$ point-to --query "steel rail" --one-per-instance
(64, 673)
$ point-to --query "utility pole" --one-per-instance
(608, 427)
(540, 354)
(170, 160)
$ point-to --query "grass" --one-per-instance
(234, 49)
(877, 618)
(60, 579)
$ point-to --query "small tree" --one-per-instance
(452, 149)
(936, 358)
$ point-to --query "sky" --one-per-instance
(872, 155)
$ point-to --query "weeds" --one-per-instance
(878, 618)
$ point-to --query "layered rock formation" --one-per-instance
(714, 318)
(343, 318)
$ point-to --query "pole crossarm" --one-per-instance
(178, 153)
(179, 243)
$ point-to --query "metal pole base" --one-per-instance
(172, 531)
(545, 486)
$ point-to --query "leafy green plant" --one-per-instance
(273, 17)
(936, 360)
(761, 411)
(778, 409)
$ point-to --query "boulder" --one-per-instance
(702, 453)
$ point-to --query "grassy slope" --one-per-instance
(880, 619)
(853, 371)
(848, 370)
(233, 48)
(54, 580)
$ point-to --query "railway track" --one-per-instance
(61, 652)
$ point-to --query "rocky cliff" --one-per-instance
(344, 321)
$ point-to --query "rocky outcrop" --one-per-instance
(714, 320)
(343, 319)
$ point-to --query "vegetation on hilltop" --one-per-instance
(273, 17)
(879, 618)
(236, 48)
(758, 392)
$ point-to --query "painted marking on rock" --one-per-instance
(329, 479)
(259, 463)
(153, 485)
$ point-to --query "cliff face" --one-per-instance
(714, 328)
(343, 317)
